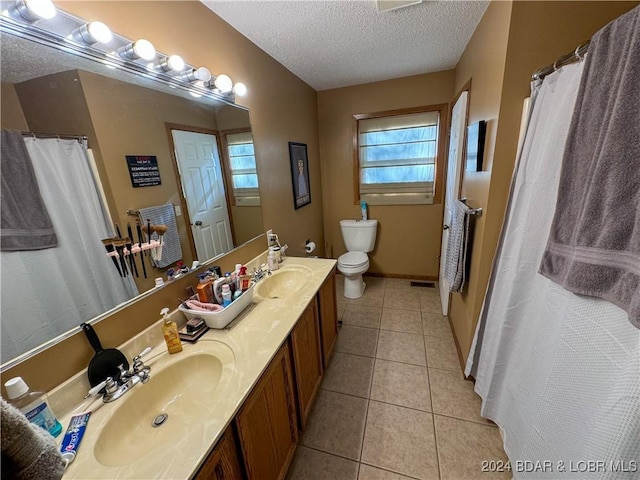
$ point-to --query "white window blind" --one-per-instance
(243, 169)
(397, 157)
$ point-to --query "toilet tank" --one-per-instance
(359, 235)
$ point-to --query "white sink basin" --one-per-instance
(185, 389)
(284, 283)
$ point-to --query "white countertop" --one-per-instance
(252, 341)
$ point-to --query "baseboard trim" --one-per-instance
(426, 278)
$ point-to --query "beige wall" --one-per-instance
(408, 241)
(283, 109)
(538, 33)
(483, 62)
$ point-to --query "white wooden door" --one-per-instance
(203, 188)
(452, 189)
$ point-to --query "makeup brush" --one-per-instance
(118, 231)
(142, 252)
(132, 262)
(160, 230)
(132, 256)
(108, 245)
(119, 244)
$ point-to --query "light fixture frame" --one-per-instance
(56, 33)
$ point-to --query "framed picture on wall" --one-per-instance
(299, 174)
(475, 145)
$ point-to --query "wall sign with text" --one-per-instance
(143, 170)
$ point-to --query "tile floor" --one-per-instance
(393, 403)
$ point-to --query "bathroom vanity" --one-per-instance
(237, 400)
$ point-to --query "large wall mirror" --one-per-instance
(206, 163)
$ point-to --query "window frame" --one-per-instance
(443, 128)
(237, 201)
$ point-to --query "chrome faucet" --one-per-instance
(116, 388)
(260, 272)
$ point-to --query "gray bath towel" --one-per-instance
(28, 451)
(24, 221)
(457, 245)
(164, 215)
(594, 242)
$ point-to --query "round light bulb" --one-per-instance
(41, 8)
(144, 49)
(175, 63)
(202, 74)
(240, 89)
(223, 83)
(99, 32)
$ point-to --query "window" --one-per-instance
(397, 155)
(242, 163)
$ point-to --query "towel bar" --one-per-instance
(472, 211)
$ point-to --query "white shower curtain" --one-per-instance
(47, 292)
(559, 373)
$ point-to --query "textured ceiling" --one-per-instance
(337, 43)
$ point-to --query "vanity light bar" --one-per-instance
(95, 41)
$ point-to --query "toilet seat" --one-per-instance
(353, 259)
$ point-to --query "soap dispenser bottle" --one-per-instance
(170, 332)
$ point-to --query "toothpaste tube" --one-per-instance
(73, 436)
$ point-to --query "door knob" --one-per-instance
(445, 227)
(198, 223)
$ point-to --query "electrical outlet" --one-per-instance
(269, 234)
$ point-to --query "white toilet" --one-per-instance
(359, 237)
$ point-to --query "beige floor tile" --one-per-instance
(336, 424)
(309, 464)
(408, 321)
(453, 396)
(430, 301)
(362, 316)
(401, 347)
(341, 309)
(357, 340)
(367, 472)
(442, 353)
(350, 374)
(401, 384)
(400, 439)
(402, 299)
(397, 284)
(463, 446)
(373, 297)
(374, 282)
(436, 325)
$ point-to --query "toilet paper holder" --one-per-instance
(309, 246)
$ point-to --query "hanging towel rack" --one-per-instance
(472, 211)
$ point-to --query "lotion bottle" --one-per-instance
(363, 209)
(170, 332)
(33, 404)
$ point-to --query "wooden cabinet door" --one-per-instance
(223, 462)
(328, 317)
(266, 422)
(307, 359)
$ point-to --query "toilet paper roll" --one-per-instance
(311, 246)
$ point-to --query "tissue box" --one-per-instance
(225, 317)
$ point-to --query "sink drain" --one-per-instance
(159, 420)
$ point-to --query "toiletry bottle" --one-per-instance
(204, 289)
(278, 252)
(33, 404)
(170, 332)
(272, 260)
(363, 209)
(226, 295)
(217, 289)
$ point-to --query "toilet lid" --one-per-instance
(353, 259)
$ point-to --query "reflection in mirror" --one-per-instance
(206, 182)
